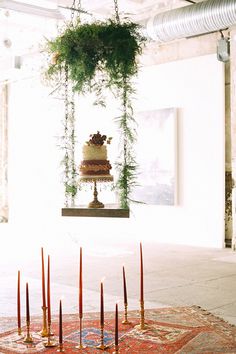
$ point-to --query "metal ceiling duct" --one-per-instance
(193, 20)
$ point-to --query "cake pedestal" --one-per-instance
(95, 204)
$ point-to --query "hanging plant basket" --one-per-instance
(98, 56)
(109, 49)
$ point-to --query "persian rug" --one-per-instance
(180, 330)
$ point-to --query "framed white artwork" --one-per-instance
(156, 156)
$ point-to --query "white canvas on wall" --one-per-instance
(156, 156)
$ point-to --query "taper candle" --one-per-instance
(49, 343)
(102, 307)
(27, 304)
(60, 323)
(49, 292)
(80, 287)
(28, 338)
(141, 274)
(43, 280)
(116, 325)
(18, 302)
(125, 290)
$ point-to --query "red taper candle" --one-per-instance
(125, 290)
(60, 323)
(102, 307)
(80, 287)
(43, 280)
(49, 292)
(141, 274)
(27, 304)
(116, 326)
(18, 301)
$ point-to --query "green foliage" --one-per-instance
(108, 49)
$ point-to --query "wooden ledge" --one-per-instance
(110, 211)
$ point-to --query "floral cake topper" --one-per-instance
(98, 139)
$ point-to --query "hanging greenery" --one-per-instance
(108, 48)
(98, 56)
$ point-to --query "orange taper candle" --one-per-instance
(49, 292)
(43, 280)
(102, 307)
(141, 274)
(125, 290)
(60, 323)
(80, 287)
(27, 304)
(116, 326)
(18, 302)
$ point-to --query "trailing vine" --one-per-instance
(98, 56)
(68, 145)
(126, 164)
(68, 162)
(65, 137)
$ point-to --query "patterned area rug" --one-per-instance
(182, 330)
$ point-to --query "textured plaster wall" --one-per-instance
(233, 128)
(228, 164)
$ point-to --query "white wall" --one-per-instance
(196, 88)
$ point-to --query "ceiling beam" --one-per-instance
(31, 9)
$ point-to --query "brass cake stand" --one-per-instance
(94, 179)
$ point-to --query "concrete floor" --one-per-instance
(174, 276)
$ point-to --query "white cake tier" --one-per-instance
(94, 152)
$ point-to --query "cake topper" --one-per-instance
(98, 139)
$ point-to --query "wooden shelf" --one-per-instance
(110, 211)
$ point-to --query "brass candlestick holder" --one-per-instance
(94, 179)
(49, 342)
(50, 334)
(116, 349)
(80, 346)
(19, 331)
(142, 326)
(125, 321)
(61, 348)
(28, 338)
(102, 346)
(44, 331)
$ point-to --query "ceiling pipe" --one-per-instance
(192, 20)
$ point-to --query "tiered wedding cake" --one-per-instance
(95, 163)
